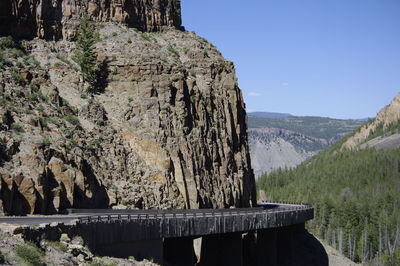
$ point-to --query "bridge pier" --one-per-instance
(221, 250)
(178, 251)
(266, 247)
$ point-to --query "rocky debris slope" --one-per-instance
(376, 132)
(272, 148)
(167, 131)
(15, 250)
(59, 19)
(284, 141)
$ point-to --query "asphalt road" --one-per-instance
(33, 220)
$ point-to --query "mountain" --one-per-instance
(166, 127)
(272, 148)
(268, 115)
(288, 141)
(381, 132)
(355, 186)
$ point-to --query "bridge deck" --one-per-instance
(191, 223)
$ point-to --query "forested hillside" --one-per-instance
(279, 140)
(357, 199)
(313, 126)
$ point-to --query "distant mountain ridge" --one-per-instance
(279, 140)
(273, 148)
(269, 115)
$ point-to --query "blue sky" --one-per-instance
(335, 58)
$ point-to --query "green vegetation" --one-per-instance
(72, 119)
(46, 142)
(2, 258)
(383, 131)
(318, 127)
(2, 59)
(8, 42)
(58, 245)
(18, 78)
(85, 53)
(17, 52)
(356, 195)
(17, 128)
(145, 37)
(173, 51)
(30, 254)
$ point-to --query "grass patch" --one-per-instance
(145, 37)
(72, 119)
(17, 128)
(17, 52)
(46, 142)
(8, 42)
(58, 245)
(18, 78)
(173, 51)
(30, 254)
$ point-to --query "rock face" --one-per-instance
(168, 129)
(386, 118)
(272, 148)
(57, 19)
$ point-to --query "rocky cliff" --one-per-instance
(379, 132)
(57, 19)
(167, 131)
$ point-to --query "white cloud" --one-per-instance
(254, 94)
(285, 84)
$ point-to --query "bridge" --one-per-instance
(166, 236)
(248, 236)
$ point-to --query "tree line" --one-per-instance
(356, 195)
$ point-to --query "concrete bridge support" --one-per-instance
(276, 246)
(179, 252)
(266, 247)
(222, 250)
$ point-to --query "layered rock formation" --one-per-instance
(168, 130)
(57, 19)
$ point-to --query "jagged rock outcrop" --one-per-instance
(57, 19)
(168, 129)
(387, 117)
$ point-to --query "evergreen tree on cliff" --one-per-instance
(85, 52)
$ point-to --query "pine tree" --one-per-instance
(85, 53)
